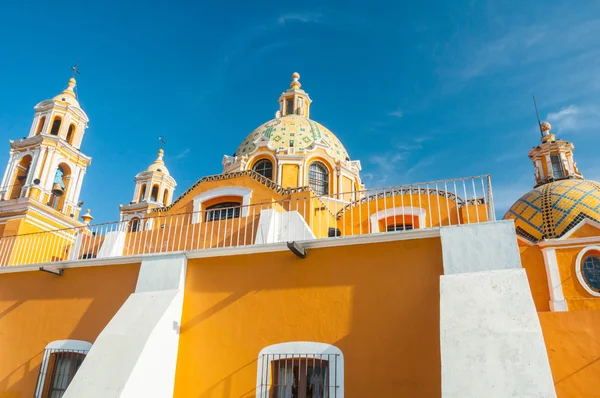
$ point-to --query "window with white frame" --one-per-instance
(318, 178)
(60, 362)
(300, 370)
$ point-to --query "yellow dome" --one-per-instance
(68, 95)
(292, 130)
(551, 210)
(159, 164)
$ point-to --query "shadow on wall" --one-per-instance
(37, 308)
(379, 303)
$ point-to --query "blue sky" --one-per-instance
(415, 90)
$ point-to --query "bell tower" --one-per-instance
(45, 171)
(154, 187)
(553, 158)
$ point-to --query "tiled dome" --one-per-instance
(551, 210)
(292, 130)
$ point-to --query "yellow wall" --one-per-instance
(573, 345)
(575, 294)
(37, 308)
(379, 303)
(289, 176)
(533, 262)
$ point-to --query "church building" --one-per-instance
(285, 277)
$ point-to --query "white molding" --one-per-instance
(243, 192)
(557, 298)
(575, 242)
(398, 211)
(301, 349)
(585, 221)
(578, 270)
(76, 345)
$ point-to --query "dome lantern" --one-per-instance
(294, 101)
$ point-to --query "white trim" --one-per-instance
(574, 242)
(585, 221)
(557, 298)
(75, 345)
(396, 211)
(245, 193)
(578, 270)
(303, 349)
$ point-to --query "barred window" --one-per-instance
(590, 269)
(399, 227)
(318, 178)
(264, 167)
(60, 363)
(223, 211)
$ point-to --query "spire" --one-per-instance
(295, 84)
(294, 101)
(68, 94)
(159, 164)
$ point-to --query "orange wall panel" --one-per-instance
(533, 262)
(379, 303)
(573, 345)
(37, 308)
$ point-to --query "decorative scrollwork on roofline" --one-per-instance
(226, 176)
(402, 191)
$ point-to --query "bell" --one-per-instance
(57, 189)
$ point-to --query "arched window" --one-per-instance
(165, 197)
(60, 186)
(21, 177)
(590, 269)
(56, 126)
(134, 224)
(318, 178)
(154, 194)
(70, 134)
(264, 167)
(223, 211)
(40, 125)
(142, 193)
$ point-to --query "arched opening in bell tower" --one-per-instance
(56, 125)
(154, 194)
(71, 134)
(20, 177)
(40, 125)
(60, 187)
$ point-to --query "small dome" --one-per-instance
(292, 130)
(159, 164)
(551, 210)
(68, 95)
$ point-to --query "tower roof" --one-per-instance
(159, 164)
(68, 94)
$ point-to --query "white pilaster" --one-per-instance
(47, 165)
(34, 125)
(300, 175)
(557, 298)
(279, 172)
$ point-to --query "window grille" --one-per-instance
(399, 227)
(299, 375)
(318, 178)
(264, 167)
(557, 166)
(59, 366)
(590, 269)
(223, 211)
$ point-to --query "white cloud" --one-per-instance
(396, 113)
(573, 118)
(182, 154)
(304, 17)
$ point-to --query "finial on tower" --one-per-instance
(87, 217)
(545, 127)
(295, 84)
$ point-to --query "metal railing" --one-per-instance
(298, 375)
(58, 368)
(302, 216)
